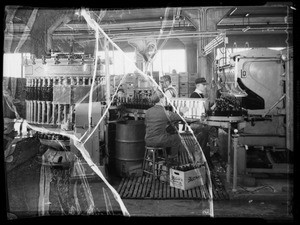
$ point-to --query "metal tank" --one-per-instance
(130, 147)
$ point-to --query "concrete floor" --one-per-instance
(23, 193)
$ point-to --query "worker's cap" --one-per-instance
(165, 78)
(201, 80)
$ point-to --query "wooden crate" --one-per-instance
(183, 90)
(192, 77)
(183, 95)
(183, 77)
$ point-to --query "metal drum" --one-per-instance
(130, 147)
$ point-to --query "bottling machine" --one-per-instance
(57, 98)
(261, 80)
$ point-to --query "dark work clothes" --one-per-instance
(196, 95)
(202, 132)
(156, 120)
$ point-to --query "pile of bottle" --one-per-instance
(49, 136)
(134, 103)
(228, 103)
(39, 89)
(187, 167)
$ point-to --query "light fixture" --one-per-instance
(246, 29)
(247, 14)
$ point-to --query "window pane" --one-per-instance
(118, 64)
(12, 65)
(168, 60)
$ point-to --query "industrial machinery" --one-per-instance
(57, 98)
(261, 80)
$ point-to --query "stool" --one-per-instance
(152, 156)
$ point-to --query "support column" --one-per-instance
(191, 55)
(202, 64)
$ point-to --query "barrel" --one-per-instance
(130, 147)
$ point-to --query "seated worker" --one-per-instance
(200, 88)
(166, 84)
(156, 120)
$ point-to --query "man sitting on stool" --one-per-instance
(156, 120)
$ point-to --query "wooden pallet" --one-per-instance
(145, 187)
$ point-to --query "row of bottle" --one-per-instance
(134, 103)
(42, 89)
(48, 136)
(39, 89)
(227, 103)
(188, 167)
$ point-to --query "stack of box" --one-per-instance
(183, 85)
(191, 82)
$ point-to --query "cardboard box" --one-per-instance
(186, 180)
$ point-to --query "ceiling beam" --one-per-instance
(64, 19)
(192, 21)
(30, 23)
(10, 13)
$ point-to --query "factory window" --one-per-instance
(168, 60)
(12, 65)
(118, 65)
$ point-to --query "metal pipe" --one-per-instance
(27, 109)
(107, 71)
(58, 114)
(43, 111)
(65, 113)
(31, 111)
(39, 111)
(34, 111)
(48, 112)
(228, 153)
(53, 113)
(272, 107)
